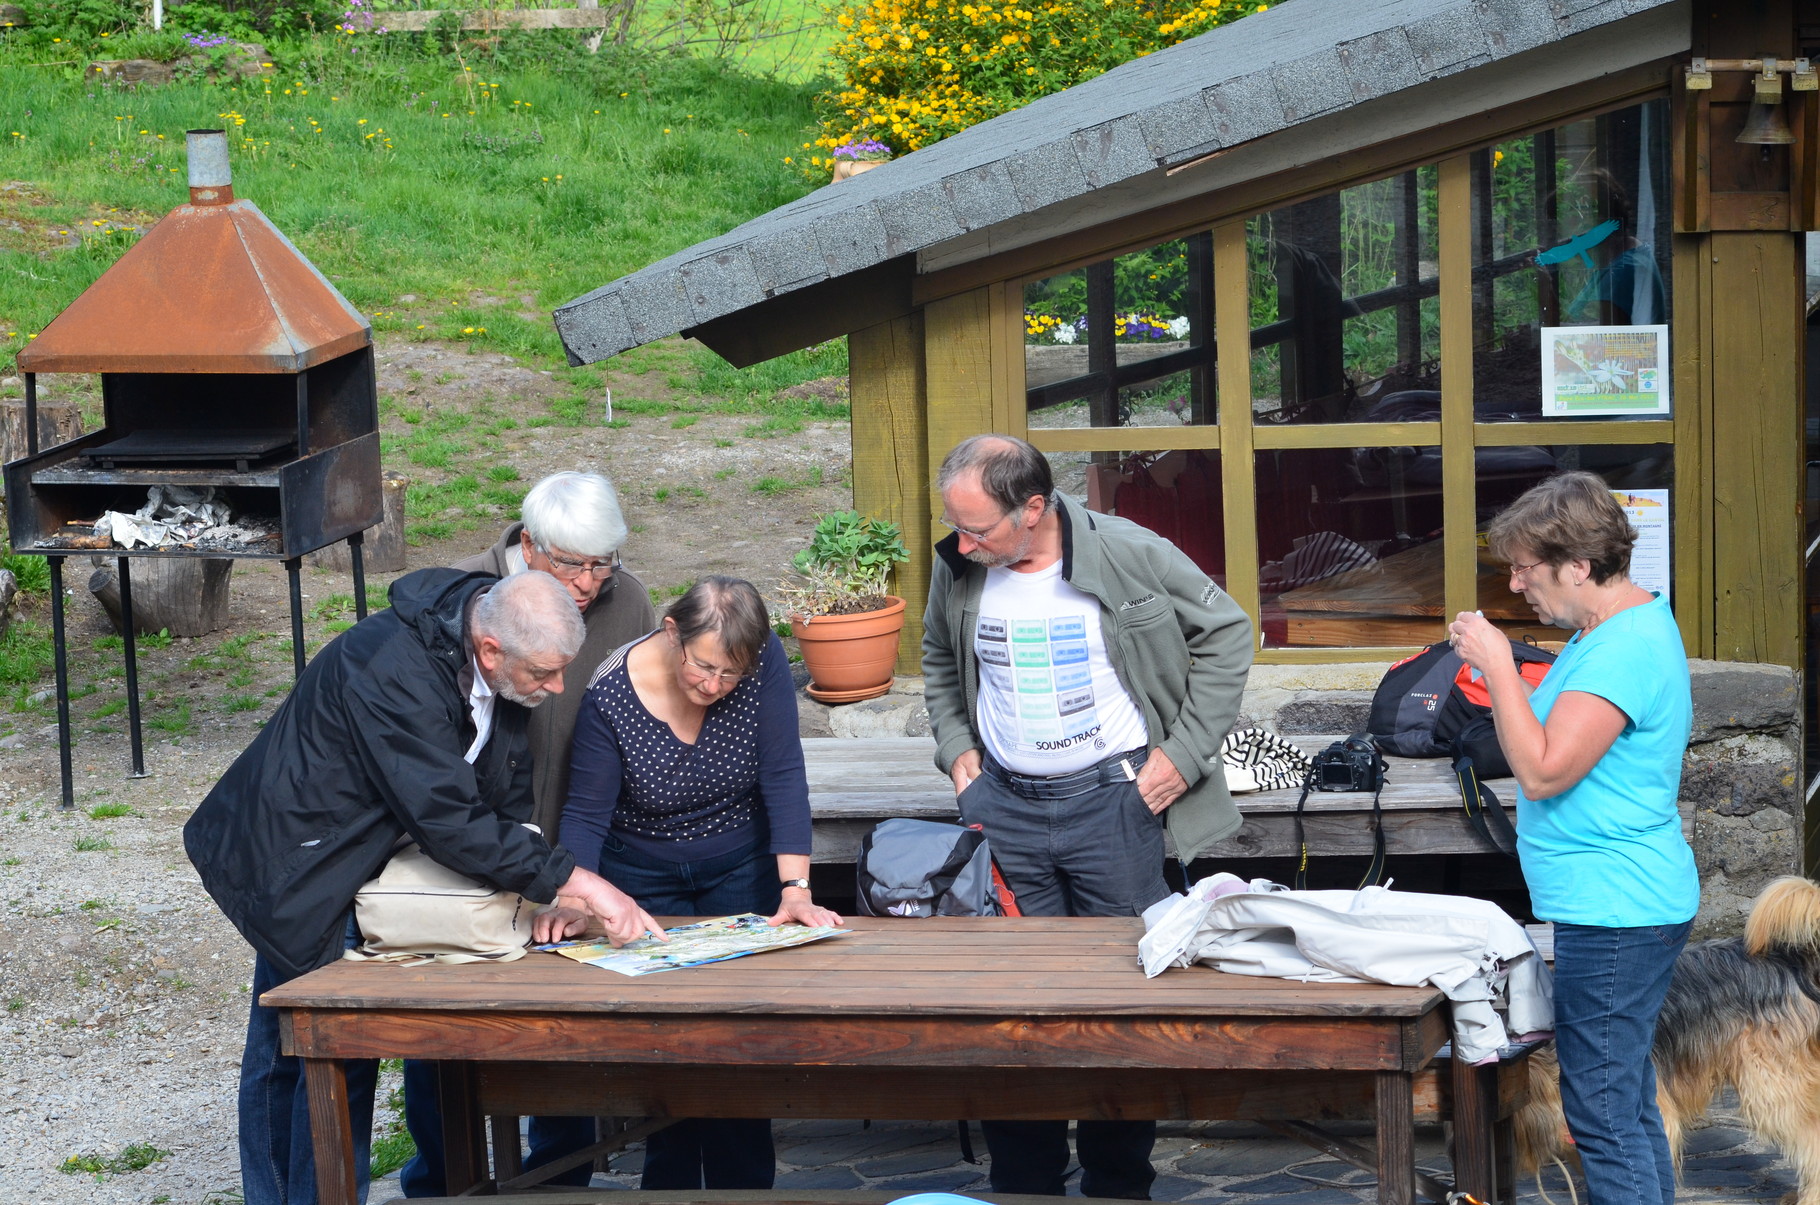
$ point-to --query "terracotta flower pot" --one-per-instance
(850, 657)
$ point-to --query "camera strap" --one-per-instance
(1374, 873)
(1483, 810)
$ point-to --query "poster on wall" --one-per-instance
(1647, 511)
(1599, 371)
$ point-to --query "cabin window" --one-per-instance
(1385, 395)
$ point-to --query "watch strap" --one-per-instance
(803, 883)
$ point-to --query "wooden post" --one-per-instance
(58, 422)
(891, 468)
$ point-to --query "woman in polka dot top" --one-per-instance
(687, 792)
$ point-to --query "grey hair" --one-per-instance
(531, 615)
(730, 608)
(577, 512)
(1011, 471)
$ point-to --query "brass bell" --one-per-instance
(1767, 125)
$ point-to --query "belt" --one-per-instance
(1120, 767)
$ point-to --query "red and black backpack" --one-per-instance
(1430, 705)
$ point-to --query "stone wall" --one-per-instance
(1741, 789)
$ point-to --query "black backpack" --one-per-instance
(928, 868)
(1429, 705)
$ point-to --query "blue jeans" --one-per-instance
(277, 1157)
(699, 1152)
(1609, 986)
(552, 1138)
(1098, 853)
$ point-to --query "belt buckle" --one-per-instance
(1124, 763)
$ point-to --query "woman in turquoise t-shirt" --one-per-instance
(1596, 751)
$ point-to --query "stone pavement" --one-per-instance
(1233, 1163)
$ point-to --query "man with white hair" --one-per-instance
(412, 722)
(572, 529)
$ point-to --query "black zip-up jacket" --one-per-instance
(368, 747)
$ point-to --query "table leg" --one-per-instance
(464, 1137)
(508, 1152)
(1475, 1108)
(1396, 1138)
(331, 1131)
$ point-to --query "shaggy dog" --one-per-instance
(1743, 1011)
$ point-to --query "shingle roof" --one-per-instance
(1269, 72)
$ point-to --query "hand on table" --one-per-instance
(798, 907)
(617, 912)
(558, 922)
(1159, 783)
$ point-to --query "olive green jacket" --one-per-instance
(1180, 646)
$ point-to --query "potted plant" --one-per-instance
(860, 155)
(842, 618)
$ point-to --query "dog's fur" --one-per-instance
(1743, 1011)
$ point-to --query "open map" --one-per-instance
(693, 945)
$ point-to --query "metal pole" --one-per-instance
(358, 556)
(63, 681)
(31, 414)
(130, 644)
(294, 567)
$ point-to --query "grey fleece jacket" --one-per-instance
(620, 614)
(1181, 647)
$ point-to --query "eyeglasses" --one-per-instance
(1520, 570)
(569, 569)
(978, 537)
(731, 677)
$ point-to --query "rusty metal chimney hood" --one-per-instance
(214, 287)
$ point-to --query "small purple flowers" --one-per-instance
(868, 150)
(202, 39)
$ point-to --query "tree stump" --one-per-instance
(187, 596)
(383, 551)
(58, 422)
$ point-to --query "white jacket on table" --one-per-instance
(1472, 951)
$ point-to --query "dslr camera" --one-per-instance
(1349, 765)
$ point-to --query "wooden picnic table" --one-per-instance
(949, 1017)
(853, 784)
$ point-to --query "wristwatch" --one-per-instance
(803, 883)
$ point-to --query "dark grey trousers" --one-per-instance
(1099, 853)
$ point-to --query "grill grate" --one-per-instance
(189, 447)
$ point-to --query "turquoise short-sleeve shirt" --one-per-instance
(1609, 850)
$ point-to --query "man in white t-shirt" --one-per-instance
(1080, 674)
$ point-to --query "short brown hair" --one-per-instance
(1571, 517)
(730, 608)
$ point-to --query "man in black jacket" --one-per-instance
(410, 723)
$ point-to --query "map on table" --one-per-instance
(693, 945)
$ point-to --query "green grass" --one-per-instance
(92, 845)
(136, 1157)
(174, 720)
(236, 703)
(31, 573)
(110, 811)
(608, 162)
(111, 707)
(25, 654)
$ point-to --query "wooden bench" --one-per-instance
(853, 784)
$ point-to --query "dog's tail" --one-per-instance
(1785, 916)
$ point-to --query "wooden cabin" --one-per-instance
(1318, 292)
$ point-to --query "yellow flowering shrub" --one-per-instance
(916, 71)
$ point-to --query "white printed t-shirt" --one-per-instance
(1049, 701)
